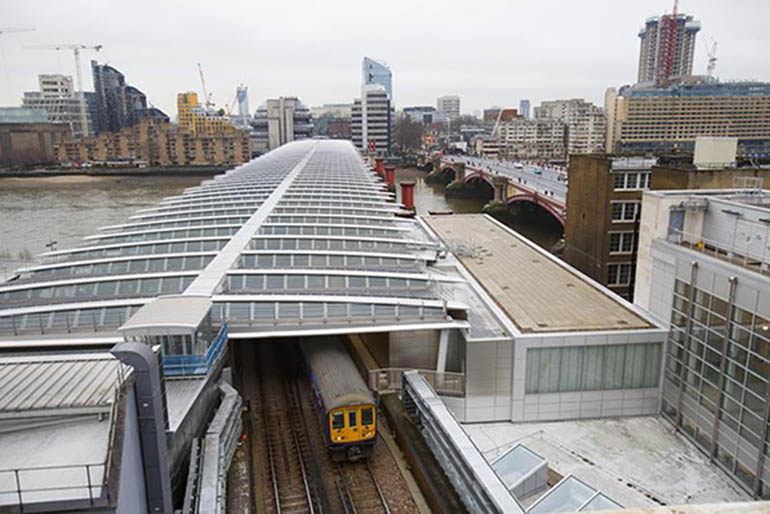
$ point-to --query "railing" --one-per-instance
(20, 486)
(476, 483)
(196, 364)
(744, 256)
(390, 380)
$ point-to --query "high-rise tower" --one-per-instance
(667, 47)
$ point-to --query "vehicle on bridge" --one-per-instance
(346, 407)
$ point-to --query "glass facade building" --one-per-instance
(375, 72)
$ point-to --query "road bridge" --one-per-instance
(512, 182)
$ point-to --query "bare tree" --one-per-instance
(408, 136)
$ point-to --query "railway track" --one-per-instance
(359, 490)
(285, 442)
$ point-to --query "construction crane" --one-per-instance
(712, 58)
(206, 98)
(76, 50)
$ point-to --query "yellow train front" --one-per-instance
(346, 407)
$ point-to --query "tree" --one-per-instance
(408, 136)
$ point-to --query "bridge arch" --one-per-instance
(477, 176)
(448, 173)
(540, 201)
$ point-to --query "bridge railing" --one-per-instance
(390, 380)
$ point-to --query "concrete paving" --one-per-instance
(638, 462)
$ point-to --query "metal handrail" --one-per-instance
(718, 249)
(19, 491)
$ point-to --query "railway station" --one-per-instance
(166, 351)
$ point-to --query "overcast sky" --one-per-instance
(488, 52)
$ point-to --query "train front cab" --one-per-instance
(352, 432)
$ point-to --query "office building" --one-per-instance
(424, 114)
(372, 121)
(197, 120)
(703, 266)
(28, 138)
(520, 138)
(279, 121)
(584, 123)
(118, 104)
(57, 96)
(332, 120)
(642, 118)
(667, 47)
(524, 108)
(377, 72)
(373, 114)
(490, 115)
(449, 106)
(157, 144)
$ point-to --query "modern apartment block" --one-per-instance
(667, 47)
(585, 123)
(192, 117)
(642, 118)
(58, 97)
(520, 138)
(158, 144)
(703, 265)
(372, 121)
(449, 106)
(279, 121)
(119, 104)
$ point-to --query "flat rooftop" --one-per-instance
(638, 461)
(537, 291)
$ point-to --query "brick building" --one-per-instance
(158, 144)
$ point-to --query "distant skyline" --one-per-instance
(488, 53)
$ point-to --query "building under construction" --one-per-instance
(667, 47)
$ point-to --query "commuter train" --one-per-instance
(346, 407)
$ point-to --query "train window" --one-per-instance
(352, 419)
(338, 421)
(367, 417)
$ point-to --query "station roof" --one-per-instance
(58, 384)
(180, 312)
(538, 292)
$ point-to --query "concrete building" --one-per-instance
(524, 108)
(279, 121)
(157, 144)
(194, 118)
(372, 121)
(373, 114)
(424, 114)
(118, 104)
(28, 138)
(449, 106)
(703, 267)
(58, 97)
(642, 118)
(520, 138)
(667, 47)
(584, 121)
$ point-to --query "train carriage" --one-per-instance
(346, 407)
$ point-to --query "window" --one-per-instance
(621, 242)
(367, 416)
(624, 211)
(352, 419)
(593, 368)
(338, 421)
(619, 274)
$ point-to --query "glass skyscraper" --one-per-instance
(375, 72)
